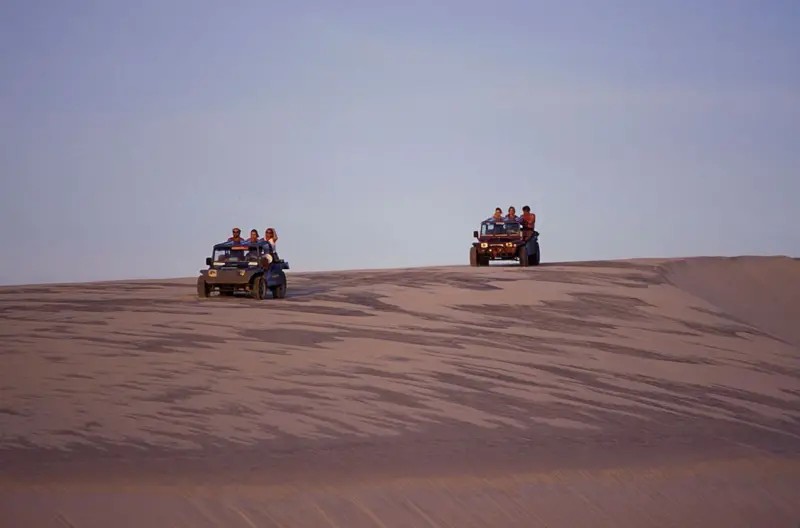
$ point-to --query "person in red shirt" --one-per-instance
(528, 219)
(529, 233)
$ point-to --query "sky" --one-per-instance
(134, 135)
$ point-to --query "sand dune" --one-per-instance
(624, 393)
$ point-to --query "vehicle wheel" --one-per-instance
(473, 256)
(537, 256)
(259, 290)
(203, 288)
(523, 256)
(279, 292)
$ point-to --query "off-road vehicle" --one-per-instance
(501, 240)
(250, 267)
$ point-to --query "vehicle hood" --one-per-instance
(500, 240)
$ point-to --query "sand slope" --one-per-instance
(628, 393)
(764, 292)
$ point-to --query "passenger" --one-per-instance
(529, 234)
(528, 220)
(512, 215)
(252, 252)
(498, 216)
(237, 236)
(271, 236)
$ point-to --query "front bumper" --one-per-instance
(228, 277)
(498, 251)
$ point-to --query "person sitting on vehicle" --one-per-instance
(528, 220)
(512, 215)
(237, 236)
(271, 236)
(252, 252)
(497, 217)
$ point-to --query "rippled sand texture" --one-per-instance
(625, 393)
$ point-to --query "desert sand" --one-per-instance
(628, 393)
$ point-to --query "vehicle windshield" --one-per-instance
(500, 228)
(242, 253)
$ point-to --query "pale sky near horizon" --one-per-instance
(136, 134)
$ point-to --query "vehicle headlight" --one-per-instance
(484, 245)
(252, 263)
(212, 273)
(509, 244)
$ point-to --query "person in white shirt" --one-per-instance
(271, 236)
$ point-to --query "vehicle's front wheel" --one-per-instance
(259, 290)
(203, 288)
(473, 256)
(537, 257)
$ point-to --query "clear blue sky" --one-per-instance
(135, 134)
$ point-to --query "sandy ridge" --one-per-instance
(412, 379)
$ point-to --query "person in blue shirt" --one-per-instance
(512, 215)
(237, 236)
(497, 217)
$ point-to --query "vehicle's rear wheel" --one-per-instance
(473, 256)
(537, 257)
(279, 292)
(259, 290)
(523, 256)
(203, 288)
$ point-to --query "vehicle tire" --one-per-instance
(279, 292)
(259, 289)
(473, 257)
(203, 288)
(537, 257)
(523, 256)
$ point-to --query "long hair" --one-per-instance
(274, 232)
